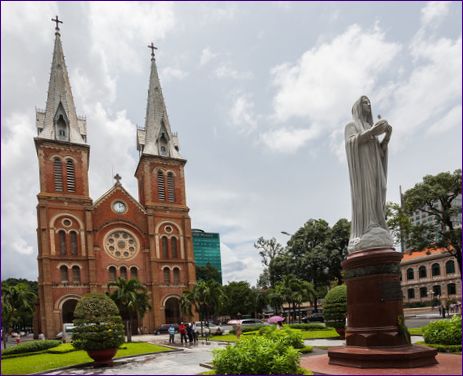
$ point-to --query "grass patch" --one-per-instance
(45, 361)
(415, 331)
(305, 349)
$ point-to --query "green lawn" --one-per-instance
(45, 361)
(415, 331)
(306, 334)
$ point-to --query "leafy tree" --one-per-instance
(268, 249)
(240, 299)
(18, 303)
(208, 272)
(131, 297)
(437, 196)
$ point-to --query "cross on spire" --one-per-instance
(117, 177)
(152, 47)
(57, 21)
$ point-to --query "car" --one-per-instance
(214, 329)
(251, 322)
(163, 329)
(314, 317)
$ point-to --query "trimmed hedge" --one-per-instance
(309, 326)
(248, 328)
(62, 349)
(335, 307)
(443, 332)
(31, 346)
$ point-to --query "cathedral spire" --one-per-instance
(59, 121)
(156, 138)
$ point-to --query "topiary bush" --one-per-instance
(31, 346)
(258, 355)
(309, 326)
(443, 332)
(335, 307)
(98, 324)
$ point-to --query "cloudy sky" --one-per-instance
(259, 94)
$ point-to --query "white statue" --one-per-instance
(367, 159)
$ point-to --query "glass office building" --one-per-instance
(206, 247)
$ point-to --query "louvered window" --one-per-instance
(170, 187)
(70, 176)
(161, 186)
(112, 273)
(62, 243)
(176, 276)
(58, 174)
(173, 246)
(75, 274)
(73, 243)
(166, 276)
(63, 273)
(164, 246)
(123, 272)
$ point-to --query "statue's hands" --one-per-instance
(380, 127)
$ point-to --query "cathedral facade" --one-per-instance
(83, 245)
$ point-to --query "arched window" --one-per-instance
(170, 187)
(161, 186)
(410, 274)
(422, 271)
(164, 247)
(166, 276)
(133, 272)
(435, 269)
(73, 243)
(70, 176)
(423, 292)
(173, 247)
(451, 289)
(411, 293)
(63, 273)
(436, 291)
(176, 276)
(450, 267)
(123, 272)
(112, 274)
(61, 129)
(58, 174)
(75, 274)
(62, 242)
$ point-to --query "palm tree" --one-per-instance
(131, 297)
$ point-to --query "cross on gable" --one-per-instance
(57, 21)
(152, 47)
(118, 178)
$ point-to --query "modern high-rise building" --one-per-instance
(206, 247)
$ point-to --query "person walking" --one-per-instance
(182, 331)
(189, 332)
(194, 329)
(171, 331)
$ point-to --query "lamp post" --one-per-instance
(286, 233)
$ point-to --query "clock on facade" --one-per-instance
(119, 207)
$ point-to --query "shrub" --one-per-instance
(248, 328)
(286, 336)
(443, 332)
(309, 326)
(98, 324)
(30, 346)
(335, 307)
(257, 355)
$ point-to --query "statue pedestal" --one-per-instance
(375, 335)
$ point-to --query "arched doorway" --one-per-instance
(172, 310)
(67, 311)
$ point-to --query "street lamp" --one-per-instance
(286, 233)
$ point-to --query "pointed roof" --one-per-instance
(60, 106)
(157, 137)
(117, 187)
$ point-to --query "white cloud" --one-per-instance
(242, 114)
(323, 83)
(121, 39)
(206, 56)
(226, 70)
(434, 11)
(287, 140)
(238, 265)
(170, 73)
(447, 123)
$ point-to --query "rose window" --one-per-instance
(121, 244)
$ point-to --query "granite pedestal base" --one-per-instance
(376, 336)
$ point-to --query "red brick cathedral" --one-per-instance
(84, 244)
